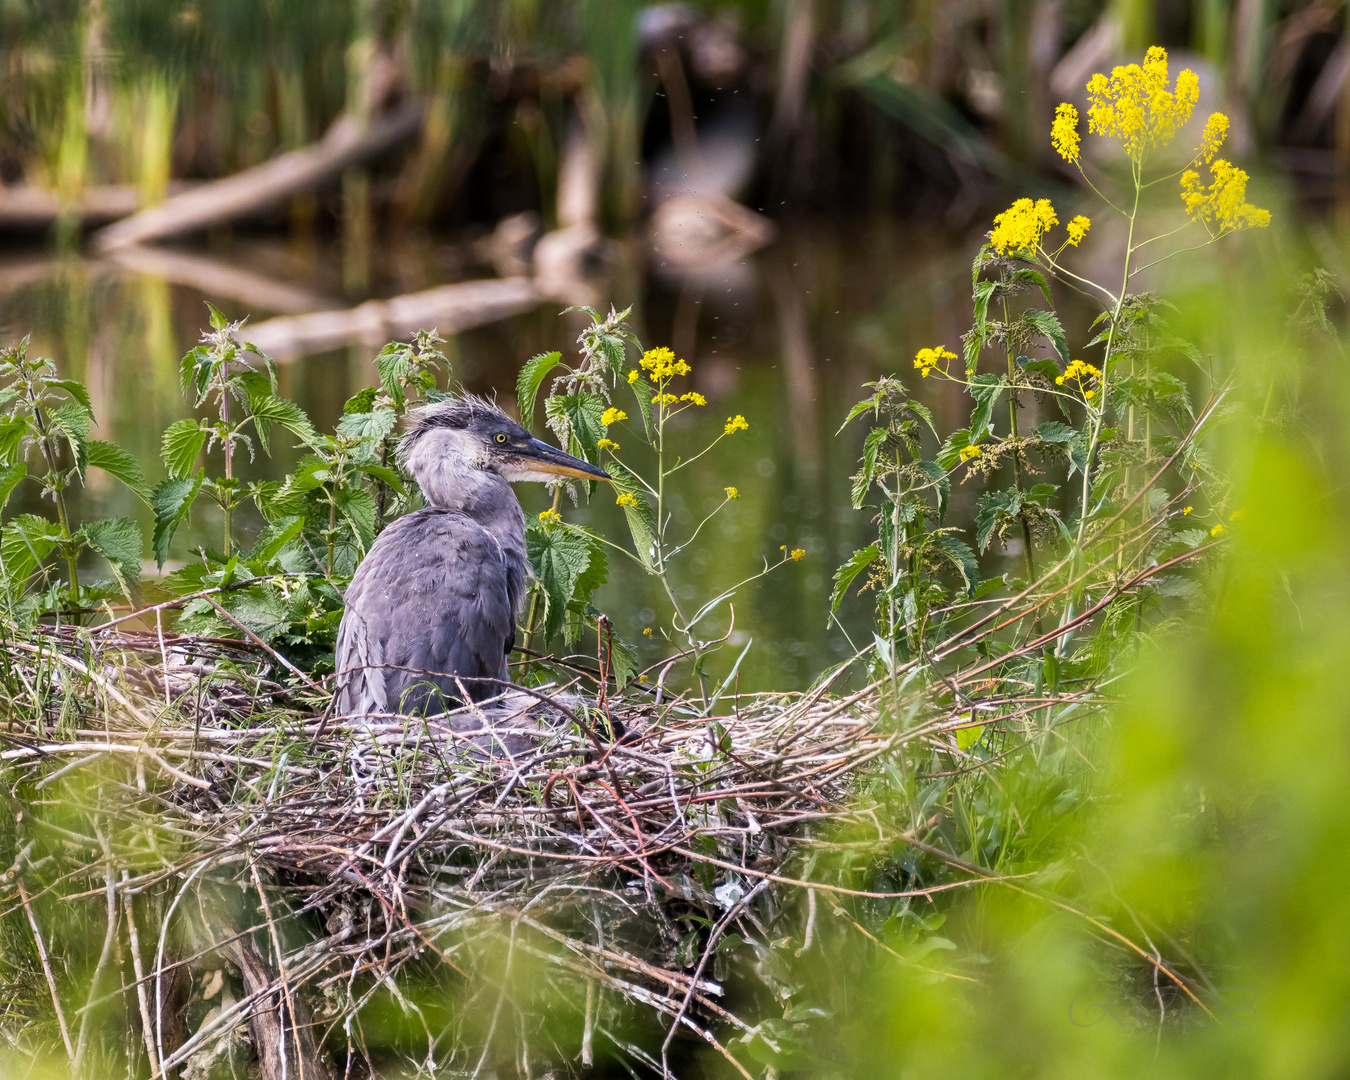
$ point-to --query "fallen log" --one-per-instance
(446, 308)
(26, 207)
(251, 290)
(256, 189)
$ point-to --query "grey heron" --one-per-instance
(431, 612)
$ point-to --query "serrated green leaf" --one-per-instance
(172, 501)
(949, 453)
(182, 443)
(77, 390)
(985, 389)
(639, 515)
(117, 462)
(1075, 447)
(394, 362)
(268, 410)
(642, 393)
(12, 432)
(859, 561)
(984, 291)
(611, 348)
(25, 544)
(119, 541)
(274, 537)
(529, 380)
(73, 422)
(218, 321)
(1048, 325)
(10, 475)
(357, 506)
(376, 426)
(1025, 274)
(360, 402)
(942, 484)
(559, 557)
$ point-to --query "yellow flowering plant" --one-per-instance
(569, 561)
(1112, 426)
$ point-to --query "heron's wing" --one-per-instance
(434, 599)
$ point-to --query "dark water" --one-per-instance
(785, 337)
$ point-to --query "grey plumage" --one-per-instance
(432, 607)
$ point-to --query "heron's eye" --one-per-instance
(501, 436)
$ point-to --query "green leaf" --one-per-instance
(642, 392)
(1071, 439)
(611, 348)
(376, 426)
(640, 522)
(268, 410)
(583, 414)
(118, 540)
(117, 462)
(995, 508)
(172, 502)
(1026, 275)
(559, 557)
(394, 362)
(984, 291)
(531, 377)
(274, 537)
(871, 449)
(357, 506)
(958, 555)
(949, 453)
(363, 401)
(942, 484)
(76, 390)
(182, 443)
(384, 474)
(10, 475)
(218, 321)
(843, 577)
(1047, 324)
(25, 543)
(595, 575)
(12, 432)
(73, 422)
(985, 389)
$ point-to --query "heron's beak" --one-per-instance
(549, 459)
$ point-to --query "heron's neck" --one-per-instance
(481, 495)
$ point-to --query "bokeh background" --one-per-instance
(788, 192)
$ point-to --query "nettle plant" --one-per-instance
(1095, 479)
(46, 423)
(571, 562)
(318, 522)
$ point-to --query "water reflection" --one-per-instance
(787, 337)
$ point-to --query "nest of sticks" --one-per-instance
(313, 862)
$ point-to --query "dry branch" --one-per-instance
(253, 190)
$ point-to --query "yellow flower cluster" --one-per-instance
(548, 517)
(1080, 372)
(968, 452)
(732, 493)
(925, 360)
(694, 399)
(1218, 530)
(734, 424)
(612, 416)
(796, 554)
(1135, 106)
(646, 631)
(1021, 226)
(665, 399)
(1216, 130)
(633, 376)
(1221, 207)
(1078, 228)
(660, 364)
(606, 444)
(1064, 135)
(625, 499)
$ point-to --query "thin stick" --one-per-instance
(142, 985)
(46, 970)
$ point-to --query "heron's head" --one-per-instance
(448, 441)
